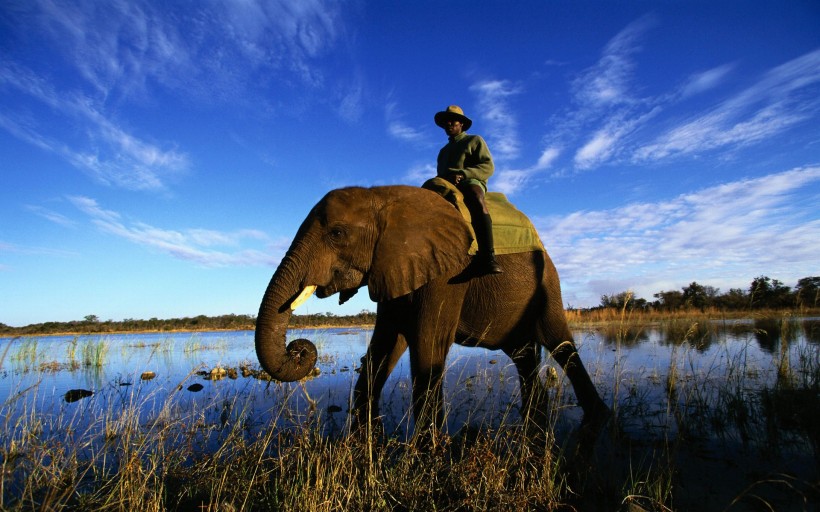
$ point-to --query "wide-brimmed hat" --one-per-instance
(453, 111)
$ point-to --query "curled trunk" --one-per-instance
(289, 362)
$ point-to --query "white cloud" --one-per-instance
(548, 156)
(605, 110)
(104, 150)
(196, 245)
(716, 236)
(107, 54)
(32, 250)
(499, 126)
(706, 80)
(597, 149)
(609, 81)
(418, 174)
(398, 129)
(782, 98)
(511, 181)
(51, 216)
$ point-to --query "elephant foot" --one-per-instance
(431, 440)
(366, 426)
(596, 421)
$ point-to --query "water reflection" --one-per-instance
(213, 377)
(701, 396)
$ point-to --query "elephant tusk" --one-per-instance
(305, 295)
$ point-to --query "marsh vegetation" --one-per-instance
(707, 415)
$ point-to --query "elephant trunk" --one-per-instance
(294, 361)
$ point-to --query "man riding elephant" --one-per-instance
(466, 162)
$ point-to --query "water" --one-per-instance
(727, 403)
(631, 369)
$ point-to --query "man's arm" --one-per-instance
(478, 163)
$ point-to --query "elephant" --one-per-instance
(409, 246)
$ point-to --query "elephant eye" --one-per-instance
(336, 234)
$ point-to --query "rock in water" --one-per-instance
(72, 395)
(195, 387)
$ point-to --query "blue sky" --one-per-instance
(157, 157)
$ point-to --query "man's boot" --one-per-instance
(484, 262)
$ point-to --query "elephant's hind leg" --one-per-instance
(558, 341)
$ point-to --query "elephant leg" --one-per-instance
(429, 344)
(566, 355)
(386, 348)
(534, 397)
(427, 367)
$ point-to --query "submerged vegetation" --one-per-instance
(711, 428)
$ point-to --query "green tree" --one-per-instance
(694, 296)
(735, 299)
(765, 292)
(807, 292)
(624, 300)
(669, 301)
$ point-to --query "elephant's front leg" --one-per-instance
(427, 368)
(386, 348)
(430, 341)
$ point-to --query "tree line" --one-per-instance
(763, 293)
(91, 324)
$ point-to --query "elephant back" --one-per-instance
(513, 232)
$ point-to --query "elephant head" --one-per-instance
(392, 239)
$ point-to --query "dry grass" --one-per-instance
(226, 456)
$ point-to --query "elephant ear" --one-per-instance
(421, 237)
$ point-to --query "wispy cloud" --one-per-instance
(104, 150)
(609, 122)
(510, 181)
(606, 143)
(52, 216)
(500, 126)
(418, 174)
(398, 129)
(120, 47)
(785, 96)
(27, 250)
(205, 247)
(606, 108)
(712, 236)
(118, 53)
(706, 80)
(609, 82)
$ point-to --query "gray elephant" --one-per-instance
(409, 246)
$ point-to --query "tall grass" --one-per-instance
(228, 453)
(179, 460)
(94, 352)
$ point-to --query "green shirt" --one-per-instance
(466, 154)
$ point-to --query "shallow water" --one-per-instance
(718, 397)
(630, 368)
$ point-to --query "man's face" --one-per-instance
(452, 127)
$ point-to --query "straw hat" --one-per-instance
(453, 111)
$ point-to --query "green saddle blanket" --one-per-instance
(512, 230)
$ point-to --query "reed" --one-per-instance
(94, 352)
(228, 453)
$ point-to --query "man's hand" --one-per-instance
(456, 177)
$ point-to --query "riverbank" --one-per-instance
(577, 318)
